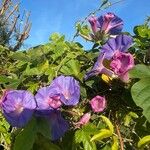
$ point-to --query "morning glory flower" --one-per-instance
(107, 24)
(121, 64)
(120, 43)
(17, 107)
(58, 124)
(110, 23)
(98, 103)
(115, 50)
(99, 68)
(93, 21)
(68, 88)
(83, 120)
(47, 99)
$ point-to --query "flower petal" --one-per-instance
(58, 125)
(18, 107)
(98, 103)
(46, 100)
(68, 88)
(120, 43)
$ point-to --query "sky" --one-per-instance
(49, 16)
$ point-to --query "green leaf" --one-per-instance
(68, 141)
(25, 139)
(115, 145)
(142, 31)
(104, 133)
(140, 71)
(144, 141)
(5, 79)
(32, 86)
(56, 36)
(90, 129)
(43, 127)
(72, 67)
(11, 83)
(83, 29)
(44, 144)
(84, 138)
(21, 56)
(108, 123)
(31, 71)
(44, 66)
(141, 95)
(107, 147)
(129, 117)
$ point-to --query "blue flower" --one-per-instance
(47, 99)
(17, 107)
(107, 24)
(58, 125)
(99, 68)
(68, 88)
(120, 43)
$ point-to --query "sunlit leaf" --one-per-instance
(144, 141)
(103, 133)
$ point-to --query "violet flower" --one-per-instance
(58, 125)
(108, 23)
(84, 120)
(93, 21)
(120, 43)
(68, 88)
(98, 103)
(48, 102)
(121, 64)
(17, 107)
(47, 99)
(99, 68)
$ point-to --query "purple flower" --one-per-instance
(109, 23)
(17, 107)
(93, 21)
(98, 103)
(99, 68)
(47, 99)
(68, 88)
(121, 64)
(120, 43)
(84, 120)
(58, 125)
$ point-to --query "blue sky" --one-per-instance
(48, 16)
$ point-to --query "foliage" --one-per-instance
(125, 122)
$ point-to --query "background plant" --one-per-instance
(124, 124)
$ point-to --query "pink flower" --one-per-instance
(98, 103)
(121, 64)
(93, 21)
(108, 23)
(84, 120)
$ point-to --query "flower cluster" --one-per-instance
(114, 51)
(62, 91)
(18, 106)
(106, 24)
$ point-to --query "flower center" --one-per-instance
(67, 94)
(19, 108)
(54, 102)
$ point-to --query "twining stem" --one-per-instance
(119, 135)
